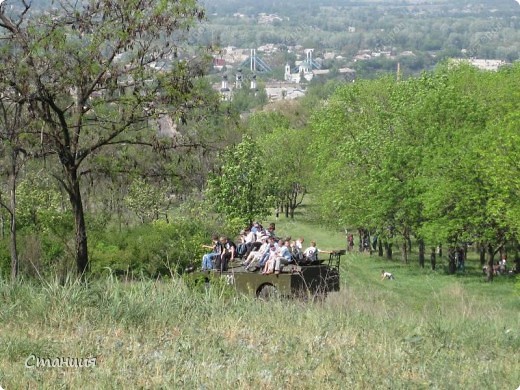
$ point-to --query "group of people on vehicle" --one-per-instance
(259, 250)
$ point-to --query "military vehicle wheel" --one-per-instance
(267, 292)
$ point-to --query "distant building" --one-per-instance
(329, 55)
(227, 89)
(219, 63)
(346, 71)
(304, 69)
(481, 63)
(225, 92)
(317, 72)
(283, 91)
(264, 18)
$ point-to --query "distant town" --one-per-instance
(233, 64)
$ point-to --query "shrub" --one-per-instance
(154, 249)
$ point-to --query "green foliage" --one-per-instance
(262, 123)
(348, 149)
(240, 190)
(245, 99)
(145, 200)
(204, 284)
(289, 165)
(5, 260)
(40, 206)
(153, 249)
(425, 156)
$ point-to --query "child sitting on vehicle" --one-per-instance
(296, 252)
(227, 255)
(310, 255)
(208, 259)
(283, 257)
(269, 264)
(254, 257)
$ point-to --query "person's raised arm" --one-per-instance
(324, 251)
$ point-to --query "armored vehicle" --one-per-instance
(314, 280)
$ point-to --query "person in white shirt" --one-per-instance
(311, 253)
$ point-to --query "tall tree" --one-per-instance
(240, 189)
(288, 166)
(13, 153)
(94, 73)
(358, 150)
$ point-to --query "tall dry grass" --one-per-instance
(419, 331)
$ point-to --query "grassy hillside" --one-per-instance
(423, 330)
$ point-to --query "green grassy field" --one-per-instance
(423, 330)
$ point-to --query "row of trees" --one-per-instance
(435, 157)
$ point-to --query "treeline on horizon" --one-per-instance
(433, 31)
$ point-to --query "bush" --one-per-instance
(153, 249)
(43, 255)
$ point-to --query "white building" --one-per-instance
(304, 69)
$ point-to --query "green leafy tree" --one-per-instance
(357, 177)
(146, 201)
(94, 73)
(16, 144)
(288, 166)
(240, 189)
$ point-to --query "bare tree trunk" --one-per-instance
(82, 261)
(515, 254)
(2, 225)
(482, 254)
(491, 262)
(421, 253)
(295, 199)
(452, 265)
(12, 230)
(388, 250)
(405, 247)
(433, 260)
(404, 251)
